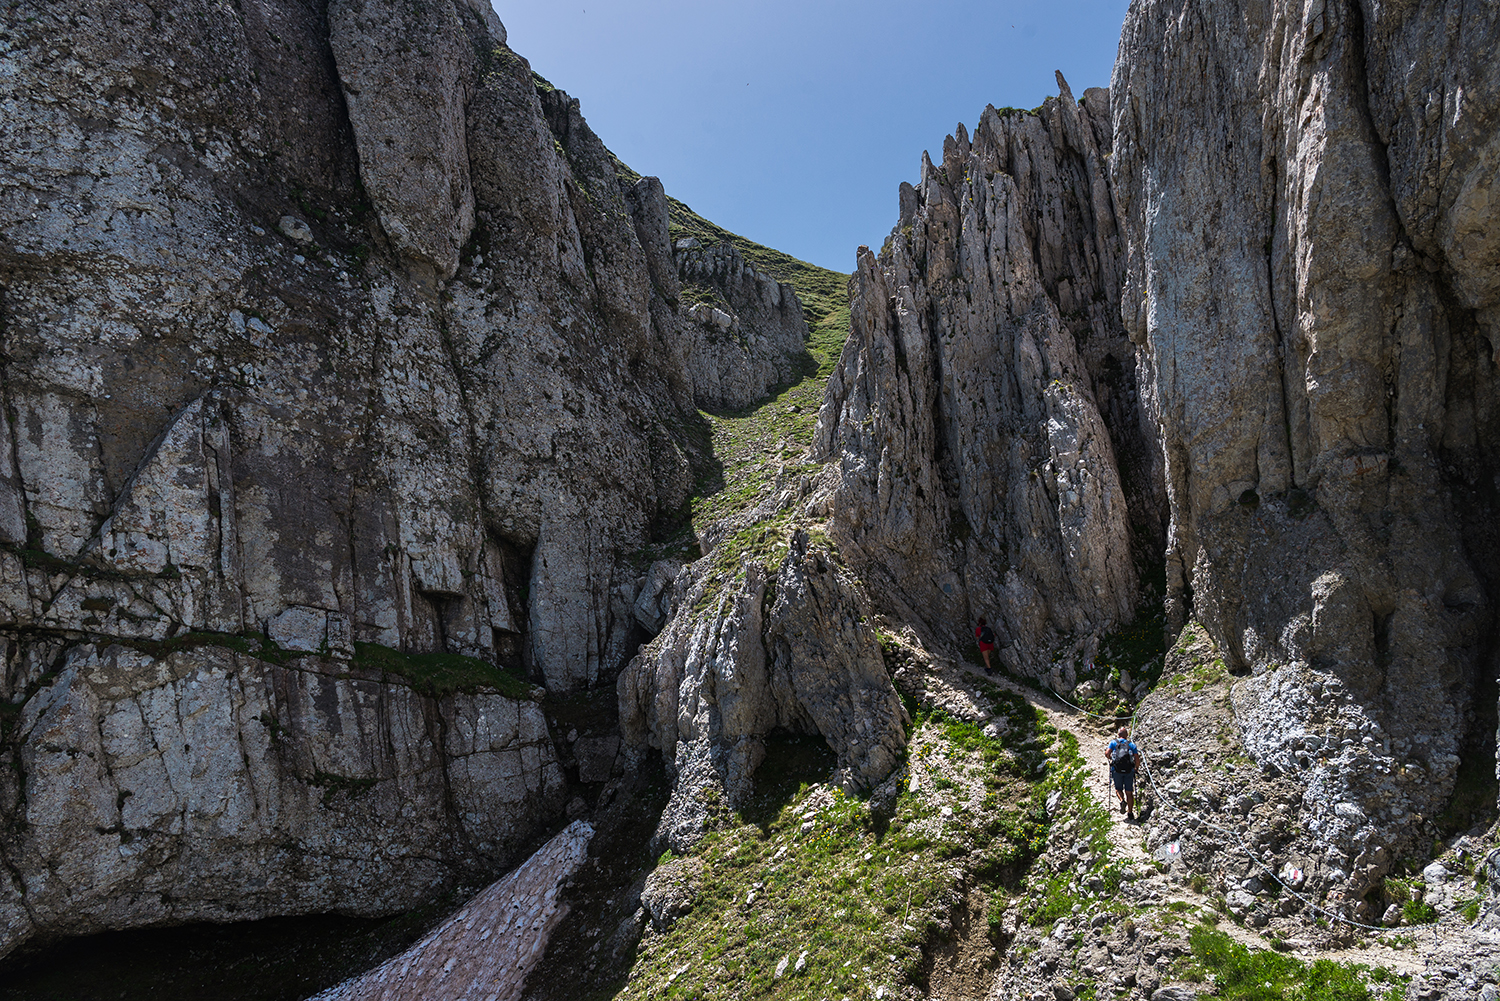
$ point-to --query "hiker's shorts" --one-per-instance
(1124, 781)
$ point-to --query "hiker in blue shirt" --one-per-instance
(1124, 757)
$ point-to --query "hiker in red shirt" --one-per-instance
(986, 637)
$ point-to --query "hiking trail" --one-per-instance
(1126, 839)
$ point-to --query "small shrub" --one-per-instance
(1054, 902)
(1417, 912)
(1242, 975)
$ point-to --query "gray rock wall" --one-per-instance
(213, 785)
(986, 403)
(791, 650)
(736, 354)
(1305, 188)
(327, 325)
(307, 419)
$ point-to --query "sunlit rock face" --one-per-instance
(325, 326)
(1314, 271)
(1241, 312)
(995, 453)
(213, 785)
(788, 650)
(735, 354)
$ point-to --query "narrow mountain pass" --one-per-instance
(1405, 952)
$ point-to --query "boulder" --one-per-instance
(671, 890)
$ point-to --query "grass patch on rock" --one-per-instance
(762, 449)
(813, 893)
(1194, 661)
(439, 674)
(1240, 974)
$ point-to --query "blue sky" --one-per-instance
(792, 123)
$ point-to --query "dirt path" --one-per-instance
(1093, 737)
(1127, 837)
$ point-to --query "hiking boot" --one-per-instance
(1130, 815)
(1122, 806)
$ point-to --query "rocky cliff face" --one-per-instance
(745, 330)
(995, 455)
(332, 338)
(212, 784)
(342, 371)
(1313, 272)
(1301, 403)
(789, 651)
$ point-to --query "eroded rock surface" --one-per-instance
(986, 400)
(1303, 214)
(323, 328)
(1300, 406)
(756, 341)
(212, 785)
(792, 650)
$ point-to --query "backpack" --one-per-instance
(986, 634)
(1121, 757)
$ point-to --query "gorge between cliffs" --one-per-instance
(437, 563)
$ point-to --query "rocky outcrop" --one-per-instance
(788, 651)
(1313, 270)
(1300, 406)
(322, 328)
(986, 405)
(489, 946)
(215, 784)
(744, 330)
(295, 420)
(407, 74)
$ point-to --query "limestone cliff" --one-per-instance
(1313, 270)
(348, 379)
(789, 651)
(333, 339)
(986, 403)
(1242, 310)
(212, 784)
(745, 330)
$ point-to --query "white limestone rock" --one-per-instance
(1305, 272)
(209, 785)
(214, 433)
(735, 356)
(730, 668)
(986, 396)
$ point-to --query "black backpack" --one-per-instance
(986, 634)
(1120, 757)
